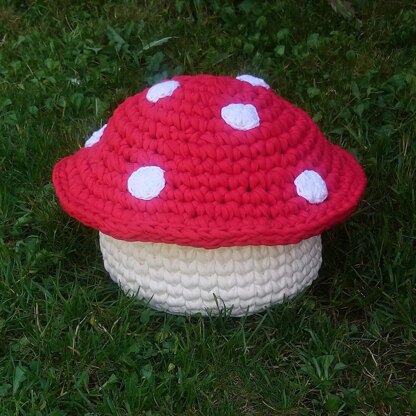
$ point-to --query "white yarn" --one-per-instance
(240, 116)
(161, 90)
(95, 137)
(146, 182)
(311, 186)
(186, 280)
(255, 81)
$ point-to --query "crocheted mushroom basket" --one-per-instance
(210, 192)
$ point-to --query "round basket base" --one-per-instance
(186, 280)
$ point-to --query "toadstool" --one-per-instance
(210, 192)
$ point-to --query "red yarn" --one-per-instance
(224, 187)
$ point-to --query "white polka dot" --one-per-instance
(162, 90)
(95, 137)
(146, 183)
(311, 186)
(255, 81)
(240, 116)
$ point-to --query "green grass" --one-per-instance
(72, 344)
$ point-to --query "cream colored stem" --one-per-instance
(185, 280)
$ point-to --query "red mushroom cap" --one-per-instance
(209, 161)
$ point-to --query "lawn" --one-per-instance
(73, 344)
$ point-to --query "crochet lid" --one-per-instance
(209, 161)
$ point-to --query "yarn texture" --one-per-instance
(187, 280)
